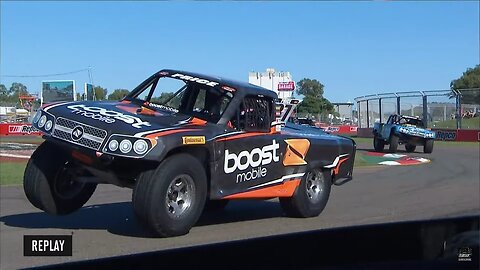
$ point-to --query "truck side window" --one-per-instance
(255, 114)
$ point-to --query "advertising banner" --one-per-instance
(7, 129)
(55, 91)
(286, 86)
(459, 135)
(89, 94)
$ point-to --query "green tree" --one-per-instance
(313, 101)
(17, 89)
(469, 79)
(118, 94)
(162, 98)
(100, 92)
(312, 88)
(3, 92)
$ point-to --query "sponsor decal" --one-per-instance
(22, 129)
(465, 254)
(255, 159)
(332, 129)
(193, 140)
(107, 116)
(228, 88)
(194, 79)
(77, 133)
(286, 86)
(296, 152)
(162, 107)
(446, 135)
(163, 73)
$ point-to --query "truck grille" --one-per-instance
(92, 137)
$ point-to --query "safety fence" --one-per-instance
(450, 109)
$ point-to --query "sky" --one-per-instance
(353, 48)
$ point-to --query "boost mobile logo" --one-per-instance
(102, 114)
(254, 159)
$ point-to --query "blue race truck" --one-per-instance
(402, 129)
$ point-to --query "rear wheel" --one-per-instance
(378, 144)
(393, 144)
(310, 197)
(428, 146)
(50, 182)
(410, 147)
(170, 199)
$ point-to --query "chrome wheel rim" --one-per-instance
(180, 195)
(315, 185)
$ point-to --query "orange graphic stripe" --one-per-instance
(296, 151)
(283, 190)
(168, 132)
(198, 122)
(338, 165)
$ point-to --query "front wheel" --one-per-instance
(170, 199)
(428, 146)
(50, 182)
(393, 143)
(378, 144)
(310, 197)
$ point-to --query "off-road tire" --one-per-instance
(302, 204)
(378, 144)
(49, 182)
(170, 199)
(392, 148)
(428, 146)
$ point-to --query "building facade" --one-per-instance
(280, 82)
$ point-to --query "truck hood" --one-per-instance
(119, 117)
(415, 131)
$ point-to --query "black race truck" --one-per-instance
(212, 141)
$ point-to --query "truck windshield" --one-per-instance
(177, 96)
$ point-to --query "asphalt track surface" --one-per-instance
(448, 186)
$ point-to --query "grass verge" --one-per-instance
(21, 139)
(11, 173)
(468, 123)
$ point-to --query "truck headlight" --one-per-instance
(128, 146)
(113, 145)
(37, 116)
(42, 121)
(125, 146)
(140, 147)
(48, 125)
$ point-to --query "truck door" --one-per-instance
(252, 155)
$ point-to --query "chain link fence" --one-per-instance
(452, 109)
